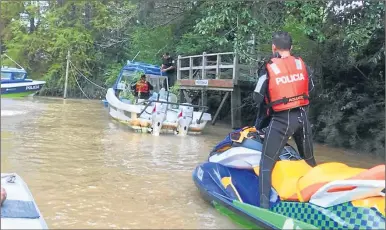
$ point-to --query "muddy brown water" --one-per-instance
(87, 171)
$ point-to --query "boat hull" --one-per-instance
(17, 191)
(243, 205)
(22, 89)
(128, 115)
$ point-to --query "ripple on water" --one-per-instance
(8, 113)
(86, 171)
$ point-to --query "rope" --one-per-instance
(76, 80)
(72, 64)
(135, 56)
(13, 61)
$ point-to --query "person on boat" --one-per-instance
(168, 66)
(3, 195)
(283, 86)
(142, 88)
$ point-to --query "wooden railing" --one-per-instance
(227, 78)
(208, 65)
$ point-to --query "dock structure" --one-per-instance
(217, 72)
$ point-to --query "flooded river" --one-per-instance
(87, 171)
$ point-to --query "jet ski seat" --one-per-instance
(297, 181)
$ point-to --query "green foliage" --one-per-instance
(71, 27)
(151, 43)
(111, 73)
(341, 42)
(193, 43)
(175, 89)
(128, 93)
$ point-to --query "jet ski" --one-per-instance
(328, 196)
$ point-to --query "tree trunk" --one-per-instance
(87, 14)
(145, 8)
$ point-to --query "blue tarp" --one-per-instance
(145, 68)
(19, 209)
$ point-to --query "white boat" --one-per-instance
(161, 112)
(19, 210)
(14, 83)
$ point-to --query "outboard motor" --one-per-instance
(158, 117)
(184, 119)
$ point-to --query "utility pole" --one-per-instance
(66, 81)
(252, 62)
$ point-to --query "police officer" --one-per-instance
(283, 87)
(168, 66)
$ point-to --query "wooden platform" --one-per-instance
(217, 72)
(214, 84)
(209, 84)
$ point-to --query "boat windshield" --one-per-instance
(18, 76)
(127, 76)
(6, 76)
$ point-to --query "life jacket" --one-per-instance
(236, 136)
(287, 83)
(142, 87)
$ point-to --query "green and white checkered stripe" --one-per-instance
(341, 216)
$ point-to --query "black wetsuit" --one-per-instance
(281, 125)
(168, 62)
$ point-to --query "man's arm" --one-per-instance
(172, 66)
(258, 95)
(261, 87)
(163, 66)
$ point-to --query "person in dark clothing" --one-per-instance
(168, 66)
(282, 96)
(142, 88)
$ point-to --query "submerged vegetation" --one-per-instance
(343, 42)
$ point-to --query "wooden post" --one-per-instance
(203, 72)
(218, 72)
(219, 108)
(179, 67)
(190, 68)
(186, 96)
(251, 63)
(67, 69)
(203, 76)
(235, 69)
(236, 107)
(181, 99)
(204, 97)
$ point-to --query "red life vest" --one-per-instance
(142, 87)
(287, 83)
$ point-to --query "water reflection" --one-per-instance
(88, 171)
